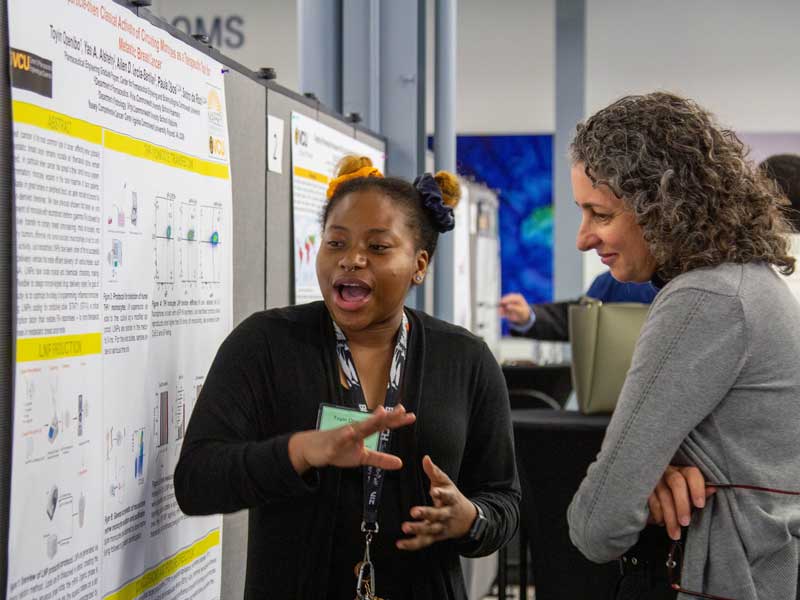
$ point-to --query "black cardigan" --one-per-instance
(267, 381)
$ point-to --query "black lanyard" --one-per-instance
(373, 476)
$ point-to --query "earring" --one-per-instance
(418, 278)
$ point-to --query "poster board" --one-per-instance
(462, 281)
(316, 151)
(124, 259)
(486, 267)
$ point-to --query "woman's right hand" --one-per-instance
(515, 308)
(344, 446)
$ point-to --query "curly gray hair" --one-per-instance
(697, 198)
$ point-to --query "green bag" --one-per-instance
(602, 337)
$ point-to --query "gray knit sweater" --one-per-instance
(715, 383)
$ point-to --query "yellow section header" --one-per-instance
(37, 116)
(63, 346)
(169, 567)
(138, 148)
(313, 175)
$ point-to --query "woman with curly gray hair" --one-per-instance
(667, 195)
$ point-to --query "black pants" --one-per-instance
(641, 586)
(643, 569)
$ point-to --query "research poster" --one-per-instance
(316, 152)
(462, 280)
(487, 268)
(123, 294)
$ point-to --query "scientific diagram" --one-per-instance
(185, 400)
(83, 415)
(54, 426)
(210, 244)
(122, 219)
(165, 415)
(172, 407)
(138, 455)
(54, 417)
(305, 248)
(63, 512)
(114, 257)
(124, 455)
(180, 416)
(188, 243)
(188, 398)
(163, 418)
(306, 245)
(123, 210)
(115, 468)
(164, 236)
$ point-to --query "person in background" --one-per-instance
(549, 321)
(666, 195)
(441, 484)
(784, 169)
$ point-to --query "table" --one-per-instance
(553, 450)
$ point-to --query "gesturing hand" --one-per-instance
(344, 446)
(451, 515)
(671, 502)
(515, 308)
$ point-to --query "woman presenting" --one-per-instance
(330, 516)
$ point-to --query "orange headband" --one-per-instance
(362, 172)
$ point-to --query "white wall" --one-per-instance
(506, 55)
(505, 66)
(256, 33)
(739, 58)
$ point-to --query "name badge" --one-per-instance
(331, 416)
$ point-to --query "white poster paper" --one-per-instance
(123, 242)
(487, 274)
(316, 151)
(462, 280)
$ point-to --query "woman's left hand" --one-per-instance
(450, 517)
(679, 489)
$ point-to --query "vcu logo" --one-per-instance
(300, 137)
(20, 60)
(31, 72)
(216, 146)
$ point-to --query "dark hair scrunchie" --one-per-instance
(441, 214)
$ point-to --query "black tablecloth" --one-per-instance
(554, 449)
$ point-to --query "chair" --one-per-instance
(553, 380)
(526, 398)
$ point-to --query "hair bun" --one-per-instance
(433, 200)
(351, 167)
(350, 163)
(451, 189)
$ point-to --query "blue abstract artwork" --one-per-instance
(520, 169)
